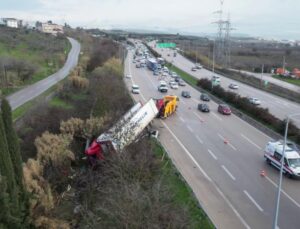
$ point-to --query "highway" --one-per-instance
(26, 94)
(224, 177)
(278, 106)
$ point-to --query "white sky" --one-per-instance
(267, 18)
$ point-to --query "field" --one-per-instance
(27, 56)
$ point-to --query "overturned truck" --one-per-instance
(125, 130)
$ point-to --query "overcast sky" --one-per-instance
(265, 18)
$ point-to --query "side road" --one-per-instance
(26, 94)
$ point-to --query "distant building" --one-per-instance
(12, 22)
(49, 27)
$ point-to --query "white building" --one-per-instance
(12, 22)
(49, 27)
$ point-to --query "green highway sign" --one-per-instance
(165, 45)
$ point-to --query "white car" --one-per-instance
(135, 89)
(233, 86)
(254, 101)
(128, 76)
(173, 85)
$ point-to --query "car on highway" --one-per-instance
(194, 69)
(156, 73)
(163, 88)
(224, 109)
(203, 107)
(181, 83)
(128, 76)
(135, 89)
(173, 85)
(254, 101)
(216, 79)
(204, 97)
(198, 66)
(134, 61)
(137, 65)
(177, 79)
(186, 94)
(165, 74)
(233, 86)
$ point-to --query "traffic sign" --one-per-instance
(165, 45)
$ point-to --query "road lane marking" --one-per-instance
(287, 195)
(190, 128)
(227, 142)
(182, 101)
(212, 154)
(199, 139)
(208, 178)
(201, 119)
(232, 207)
(258, 147)
(188, 153)
(229, 173)
(181, 119)
(216, 116)
(195, 100)
(253, 201)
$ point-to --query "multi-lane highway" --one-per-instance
(224, 177)
(24, 95)
(278, 106)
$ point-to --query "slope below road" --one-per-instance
(19, 98)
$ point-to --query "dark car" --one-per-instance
(224, 109)
(203, 107)
(204, 97)
(186, 94)
(194, 69)
(177, 79)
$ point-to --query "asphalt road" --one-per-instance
(26, 94)
(224, 177)
(278, 106)
(268, 77)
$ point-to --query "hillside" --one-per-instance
(27, 56)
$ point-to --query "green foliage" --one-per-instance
(12, 141)
(6, 169)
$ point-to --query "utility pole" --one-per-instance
(262, 72)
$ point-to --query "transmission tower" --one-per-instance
(227, 42)
(219, 44)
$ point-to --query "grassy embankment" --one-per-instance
(288, 80)
(28, 56)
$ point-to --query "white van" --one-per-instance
(273, 154)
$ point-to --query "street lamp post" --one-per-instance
(281, 170)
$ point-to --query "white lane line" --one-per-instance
(216, 116)
(201, 119)
(190, 128)
(212, 154)
(188, 153)
(199, 139)
(232, 207)
(287, 195)
(195, 100)
(229, 173)
(181, 119)
(227, 142)
(253, 201)
(182, 101)
(257, 146)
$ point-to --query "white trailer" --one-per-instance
(126, 130)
